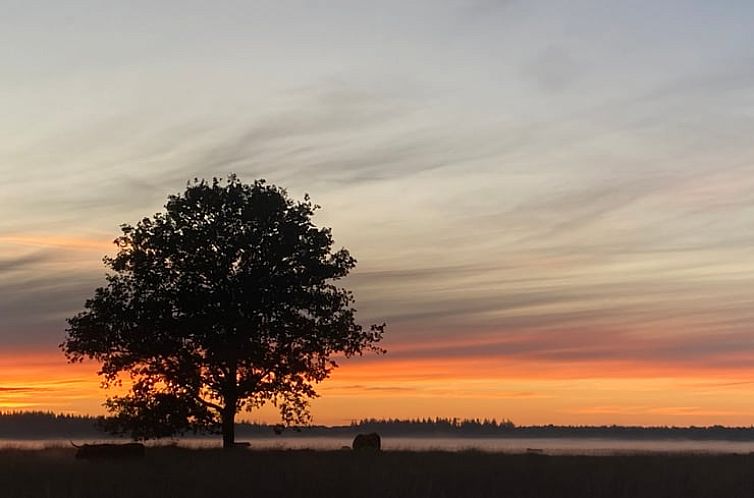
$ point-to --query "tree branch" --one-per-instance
(208, 404)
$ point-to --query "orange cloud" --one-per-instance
(58, 241)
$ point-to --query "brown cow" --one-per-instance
(367, 442)
(109, 451)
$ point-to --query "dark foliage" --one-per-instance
(225, 301)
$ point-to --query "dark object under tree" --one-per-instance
(225, 301)
(109, 451)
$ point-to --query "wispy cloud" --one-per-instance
(8, 265)
(521, 182)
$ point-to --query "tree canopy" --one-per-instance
(225, 301)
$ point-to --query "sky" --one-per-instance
(551, 202)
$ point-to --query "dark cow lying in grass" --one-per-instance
(109, 451)
(367, 442)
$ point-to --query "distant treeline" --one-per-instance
(48, 425)
(45, 425)
(440, 427)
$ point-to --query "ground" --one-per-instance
(185, 473)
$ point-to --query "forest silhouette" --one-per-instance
(48, 425)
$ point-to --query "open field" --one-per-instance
(186, 473)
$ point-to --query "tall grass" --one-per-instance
(187, 473)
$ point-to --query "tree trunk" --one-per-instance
(229, 427)
(230, 397)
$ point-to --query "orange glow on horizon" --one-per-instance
(526, 392)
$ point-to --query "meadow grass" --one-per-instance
(189, 473)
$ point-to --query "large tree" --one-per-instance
(225, 301)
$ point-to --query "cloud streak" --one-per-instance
(519, 186)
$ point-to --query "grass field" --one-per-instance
(186, 473)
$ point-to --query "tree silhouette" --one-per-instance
(225, 301)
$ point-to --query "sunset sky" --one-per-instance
(551, 202)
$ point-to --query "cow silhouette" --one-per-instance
(367, 442)
(109, 451)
